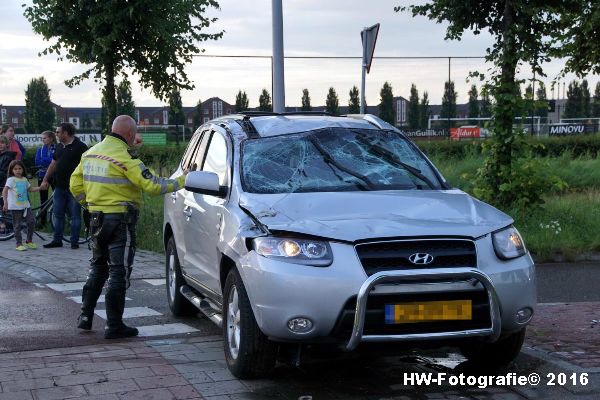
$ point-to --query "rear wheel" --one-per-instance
(6, 226)
(499, 353)
(179, 305)
(248, 352)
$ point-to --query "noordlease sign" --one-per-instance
(569, 129)
(36, 140)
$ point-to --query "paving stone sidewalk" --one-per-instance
(62, 265)
(565, 336)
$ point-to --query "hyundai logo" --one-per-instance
(421, 258)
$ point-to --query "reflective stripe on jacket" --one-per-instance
(108, 178)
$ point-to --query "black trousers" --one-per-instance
(43, 199)
(113, 249)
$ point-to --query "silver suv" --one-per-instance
(298, 229)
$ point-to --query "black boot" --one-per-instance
(85, 322)
(119, 332)
(89, 297)
(115, 305)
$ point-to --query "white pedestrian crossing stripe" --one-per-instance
(66, 287)
(155, 282)
(167, 329)
(132, 312)
(101, 299)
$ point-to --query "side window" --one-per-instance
(216, 158)
(189, 152)
(198, 158)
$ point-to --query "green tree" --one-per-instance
(354, 102)
(414, 116)
(331, 102)
(596, 102)
(125, 103)
(574, 101)
(528, 105)
(264, 101)
(305, 101)
(485, 111)
(103, 114)
(241, 101)
(176, 114)
(386, 105)
(424, 112)
(520, 32)
(541, 105)
(579, 24)
(153, 38)
(448, 104)
(39, 111)
(198, 114)
(473, 105)
(586, 100)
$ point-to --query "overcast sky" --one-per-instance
(311, 28)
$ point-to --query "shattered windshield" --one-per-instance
(332, 160)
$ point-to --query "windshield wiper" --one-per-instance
(392, 159)
(330, 160)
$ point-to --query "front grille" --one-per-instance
(394, 255)
(375, 314)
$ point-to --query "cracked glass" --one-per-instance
(334, 159)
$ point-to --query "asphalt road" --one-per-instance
(566, 283)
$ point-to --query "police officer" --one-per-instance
(110, 181)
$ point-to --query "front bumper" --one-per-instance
(281, 291)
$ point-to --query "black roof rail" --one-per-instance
(252, 113)
(248, 127)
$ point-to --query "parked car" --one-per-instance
(295, 230)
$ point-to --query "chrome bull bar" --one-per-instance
(406, 276)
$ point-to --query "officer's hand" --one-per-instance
(186, 171)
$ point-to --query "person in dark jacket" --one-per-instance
(6, 157)
(43, 158)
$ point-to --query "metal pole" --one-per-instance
(278, 78)
(449, 60)
(363, 109)
(532, 102)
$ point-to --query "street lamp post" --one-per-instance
(278, 65)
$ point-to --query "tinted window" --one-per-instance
(198, 157)
(189, 152)
(334, 159)
(216, 157)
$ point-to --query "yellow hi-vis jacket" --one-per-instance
(108, 178)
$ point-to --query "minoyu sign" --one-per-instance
(569, 129)
(36, 140)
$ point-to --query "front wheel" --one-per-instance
(179, 305)
(497, 354)
(248, 352)
(6, 226)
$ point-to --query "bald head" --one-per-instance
(125, 127)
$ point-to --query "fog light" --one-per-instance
(299, 325)
(524, 315)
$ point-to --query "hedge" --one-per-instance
(577, 146)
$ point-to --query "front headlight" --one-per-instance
(298, 251)
(508, 243)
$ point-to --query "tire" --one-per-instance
(248, 352)
(497, 354)
(7, 231)
(179, 305)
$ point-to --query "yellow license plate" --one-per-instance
(449, 310)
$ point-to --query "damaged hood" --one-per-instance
(352, 216)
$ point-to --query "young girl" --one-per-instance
(16, 200)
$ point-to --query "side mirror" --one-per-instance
(204, 182)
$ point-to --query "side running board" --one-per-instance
(202, 304)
